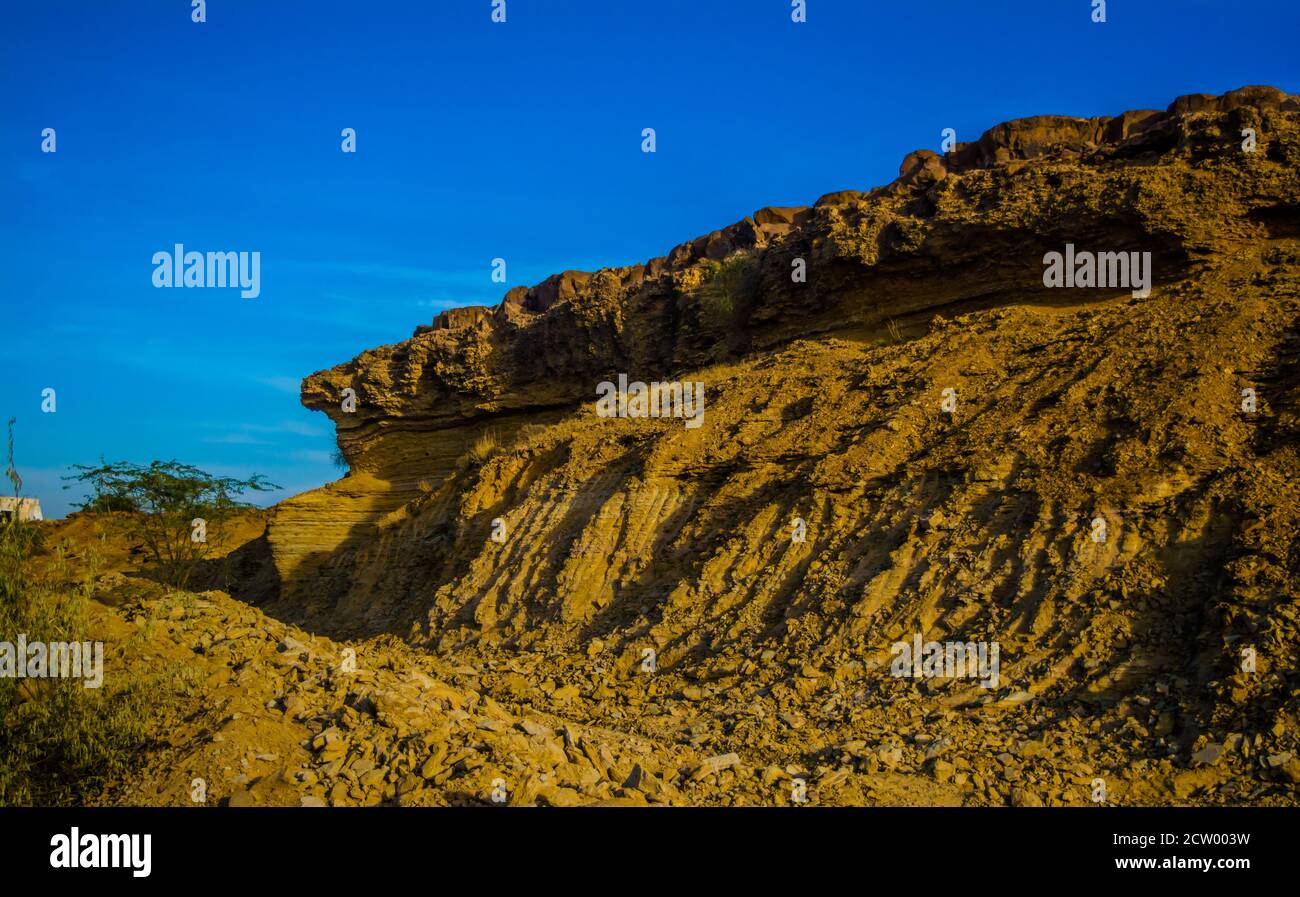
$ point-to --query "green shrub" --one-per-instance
(728, 290)
(62, 743)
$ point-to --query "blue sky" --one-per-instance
(474, 141)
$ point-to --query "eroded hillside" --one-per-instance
(917, 440)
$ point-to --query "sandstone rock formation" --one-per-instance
(825, 403)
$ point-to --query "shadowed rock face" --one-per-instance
(824, 403)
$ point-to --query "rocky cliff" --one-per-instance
(943, 428)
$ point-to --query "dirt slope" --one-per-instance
(1160, 659)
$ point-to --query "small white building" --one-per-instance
(22, 508)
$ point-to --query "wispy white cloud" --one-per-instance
(235, 439)
(315, 457)
(281, 383)
(439, 304)
(284, 426)
(259, 434)
(472, 277)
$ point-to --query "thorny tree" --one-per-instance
(176, 510)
